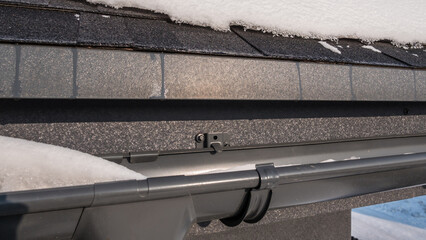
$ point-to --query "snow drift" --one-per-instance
(26, 165)
(401, 21)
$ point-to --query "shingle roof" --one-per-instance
(77, 23)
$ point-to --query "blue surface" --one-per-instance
(410, 211)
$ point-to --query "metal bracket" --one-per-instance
(218, 141)
(256, 201)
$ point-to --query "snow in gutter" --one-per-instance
(26, 165)
(328, 160)
(349, 158)
(401, 21)
(245, 167)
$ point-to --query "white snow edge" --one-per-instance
(28, 165)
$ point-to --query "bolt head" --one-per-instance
(199, 138)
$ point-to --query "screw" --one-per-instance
(405, 111)
(199, 138)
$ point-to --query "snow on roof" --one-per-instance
(26, 165)
(372, 48)
(401, 21)
(329, 47)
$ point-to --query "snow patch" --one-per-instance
(396, 20)
(332, 160)
(329, 47)
(245, 167)
(106, 16)
(409, 153)
(415, 55)
(352, 158)
(223, 170)
(372, 48)
(288, 165)
(27, 165)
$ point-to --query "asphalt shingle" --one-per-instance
(413, 57)
(288, 48)
(355, 53)
(103, 30)
(37, 26)
(165, 36)
(325, 82)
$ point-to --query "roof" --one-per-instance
(73, 49)
(77, 23)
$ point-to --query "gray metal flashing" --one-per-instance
(325, 81)
(352, 85)
(63, 72)
(383, 84)
(420, 77)
(300, 81)
(46, 72)
(163, 82)
(7, 70)
(203, 77)
(16, 88)
(74, 73)
(118, 74)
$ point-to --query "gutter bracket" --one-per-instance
(256, 201)
(216, 141)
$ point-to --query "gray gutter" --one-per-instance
(177, 186)
(112, 209)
